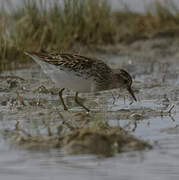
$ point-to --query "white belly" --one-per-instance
(66, 79)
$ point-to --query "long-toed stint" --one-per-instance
(82, 74)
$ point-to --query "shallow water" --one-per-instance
(156, 78)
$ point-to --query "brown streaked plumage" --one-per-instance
(82, 73)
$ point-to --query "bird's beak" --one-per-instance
(131, 93)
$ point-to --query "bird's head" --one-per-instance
(124, 81)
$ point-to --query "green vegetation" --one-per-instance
(79, 23)
(48, 26)
(159, 20)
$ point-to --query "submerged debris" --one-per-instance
(92, 138)
(136, 116)
(106, 141)
(42, 89)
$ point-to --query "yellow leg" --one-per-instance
(113, 96)
(20, 98)
(80, 104)
(61, 99)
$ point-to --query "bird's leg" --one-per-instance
(113, 96)
(80, 104)
(61, 99)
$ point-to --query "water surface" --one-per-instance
(156, 74)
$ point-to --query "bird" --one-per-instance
(81, 74)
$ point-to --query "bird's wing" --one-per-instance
(77, 63)
(64, 60)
